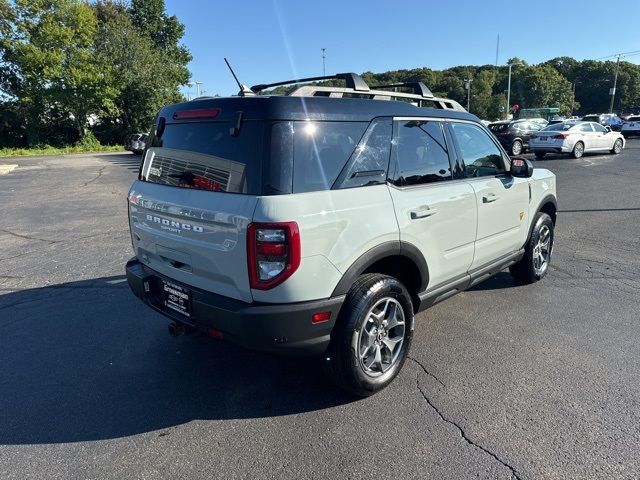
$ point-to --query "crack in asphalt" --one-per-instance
(461, 431)
(96, 177)
(415, 360)
(28, 237)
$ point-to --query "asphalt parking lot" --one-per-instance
(504, 381)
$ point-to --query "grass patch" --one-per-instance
(88, 144)
(49, 150)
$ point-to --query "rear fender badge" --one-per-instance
(521, 215)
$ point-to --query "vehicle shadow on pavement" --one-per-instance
(500, 281)
(87, 361)
(127, 160)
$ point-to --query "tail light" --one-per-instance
(561, 136)
(273, 253)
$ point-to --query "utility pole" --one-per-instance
(612, 92)
(197, 84)
(509, 91)
(509, 86)
(497, 49)
(467, 85)
(324, 56)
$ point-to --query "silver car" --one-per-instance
(575, 138)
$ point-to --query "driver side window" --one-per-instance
(480, 154)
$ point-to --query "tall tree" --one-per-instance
(50, 47)
(142, 46)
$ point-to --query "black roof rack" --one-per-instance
(353, 81)
(418, 88)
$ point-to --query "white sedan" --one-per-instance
(575, 138)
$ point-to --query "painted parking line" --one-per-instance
(7, 169)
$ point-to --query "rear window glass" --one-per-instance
(265, 158)
(634, 119)
(205, 156)
(560, 126)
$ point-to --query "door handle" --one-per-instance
(490, 197)
(422, 212)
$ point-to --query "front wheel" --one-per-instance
(617, 147)
(537, 256)
(372, 337)
(516, 147)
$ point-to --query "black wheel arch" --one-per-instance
(398, 259)
(548, 205)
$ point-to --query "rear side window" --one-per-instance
(480, 154)
(370, 160)
(320, 152)
(586, 127)
(420, 153)
(204, 156)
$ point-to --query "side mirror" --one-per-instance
(608, 128)
(521, 167)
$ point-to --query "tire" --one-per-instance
(617, 147)
(529, 269)
(578, 150)
(357, 343)
(516, 147)
(539, 155)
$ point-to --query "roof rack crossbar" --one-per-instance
(418, 88)
(353, 81)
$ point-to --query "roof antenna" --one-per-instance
(244, 90)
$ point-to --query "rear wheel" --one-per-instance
(372, 337)
(578, 150)
(516, 147)
(539, 155)
(617, 147)
(537, 256)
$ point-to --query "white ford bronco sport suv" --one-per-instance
(320, 222)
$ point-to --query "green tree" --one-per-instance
(142, 45)
(56, 71)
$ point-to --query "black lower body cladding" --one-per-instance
(278, 328)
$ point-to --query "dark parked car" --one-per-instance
(135, 142)
(514, 135)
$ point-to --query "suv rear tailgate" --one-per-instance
(196, 237)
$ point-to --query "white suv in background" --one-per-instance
(322, 221)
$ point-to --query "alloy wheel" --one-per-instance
(381, 337)
(542, 251)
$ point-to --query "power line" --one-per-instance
(623, 54)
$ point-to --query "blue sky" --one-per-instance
(273, 40)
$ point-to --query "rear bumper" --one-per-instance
(549, 148)
(276, 328)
